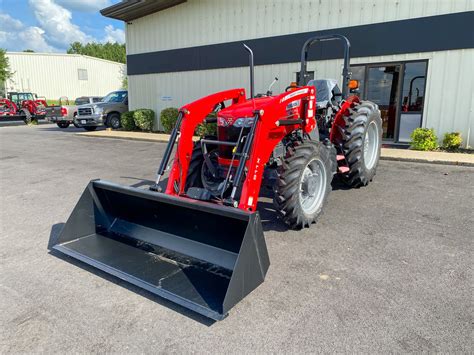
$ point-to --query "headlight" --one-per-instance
(244, 122)
(98, 109)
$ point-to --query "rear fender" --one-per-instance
(339, 121)
(194, 113)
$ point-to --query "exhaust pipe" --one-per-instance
(251, 65)
(202, 256)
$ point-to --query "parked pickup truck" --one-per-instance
(104, 113)
(63, 114)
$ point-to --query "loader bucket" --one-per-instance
(202, 256)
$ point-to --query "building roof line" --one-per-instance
(128, 10)
(63, 55)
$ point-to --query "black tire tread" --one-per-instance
(357, 122)
(286, 197)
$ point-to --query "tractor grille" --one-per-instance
(84, 111)
(229, 134)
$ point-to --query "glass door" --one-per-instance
(413, 97)
(382, 88)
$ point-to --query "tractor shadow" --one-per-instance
(50, 127)
(53, 239)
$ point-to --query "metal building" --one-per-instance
(58, 74)
(414, 58)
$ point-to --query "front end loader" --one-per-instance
(198, 241)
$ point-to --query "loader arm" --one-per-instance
(192, 115)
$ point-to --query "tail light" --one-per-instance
(63, 111)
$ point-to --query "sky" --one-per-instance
(51, 25)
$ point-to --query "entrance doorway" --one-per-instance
(383, 83)
(398, 89)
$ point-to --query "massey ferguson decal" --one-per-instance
(293, 94)
(292, 108)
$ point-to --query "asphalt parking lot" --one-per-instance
(388, 268)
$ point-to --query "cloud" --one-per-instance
(8, 23)
(56, 22)
(13, 34)
(113, 34)
(33, 38)
(84, 5)
(54, 30)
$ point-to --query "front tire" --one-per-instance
(304, 183)
(26, 116)
(362, 142)
(113, 121)
(197, 169)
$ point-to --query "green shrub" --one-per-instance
(207, 129)
(168, 118)
(452, 141)
(127, 121)
(424, 139)
(144, 118)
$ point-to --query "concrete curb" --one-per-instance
(427, 161)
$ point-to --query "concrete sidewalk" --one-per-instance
(387, 153)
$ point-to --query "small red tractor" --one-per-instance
(199, 242)
(23, 105)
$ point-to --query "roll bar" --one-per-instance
(346, 75)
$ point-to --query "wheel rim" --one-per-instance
(115, 123)
(371, 143)
(312, 186)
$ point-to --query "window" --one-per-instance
(96, 99)
(358, 73)
(115, 96)
(82, 74)
(413, 92)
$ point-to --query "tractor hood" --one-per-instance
(244, 110)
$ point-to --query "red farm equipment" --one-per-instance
(23, 105)
(7, 109)
(199, 242)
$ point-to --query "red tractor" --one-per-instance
(23, 105)
(200, 242)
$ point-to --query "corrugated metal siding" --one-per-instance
(55, 75)
(449, 100)
(200, 22)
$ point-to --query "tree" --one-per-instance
(110, 51)
(5, 72)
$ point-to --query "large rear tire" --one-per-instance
(304, 183)
(62, 124)
(362, 142)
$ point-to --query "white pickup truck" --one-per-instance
(64, 113)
